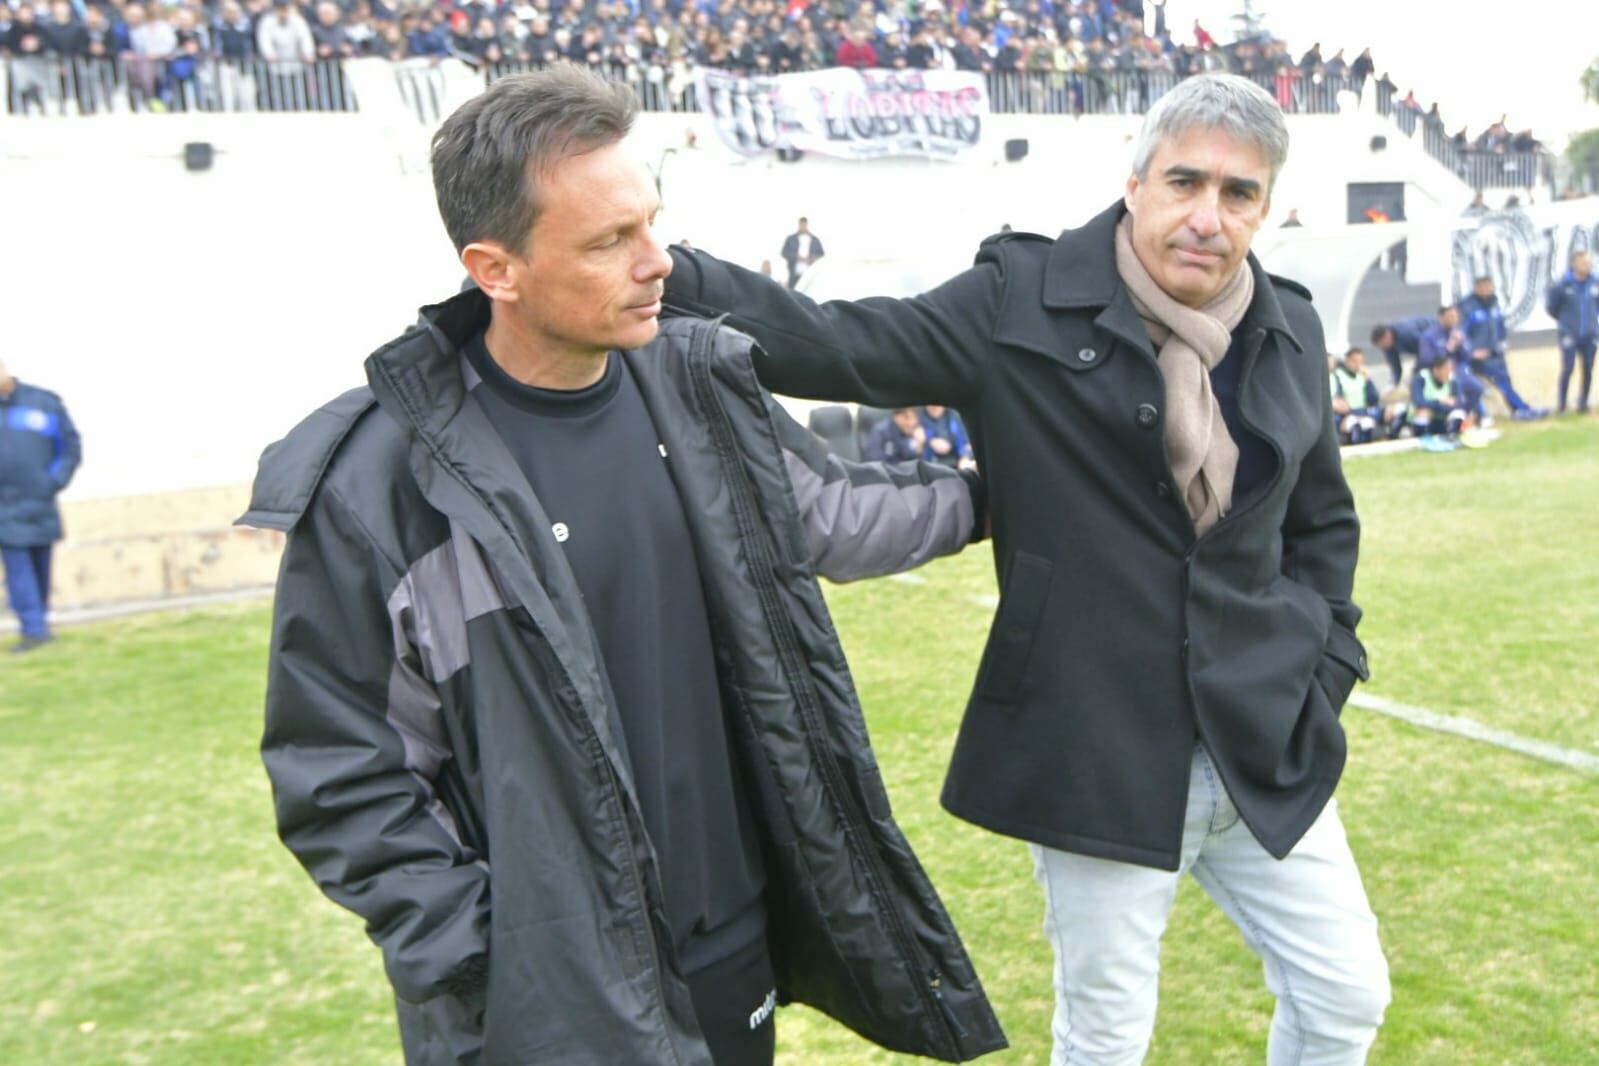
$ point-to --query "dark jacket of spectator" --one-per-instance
(1117, 631)
(234, 40)
(39, 451)
(68, 40)
(1574, 305)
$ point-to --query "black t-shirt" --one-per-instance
(597, 466)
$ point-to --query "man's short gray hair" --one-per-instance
(1235, 106)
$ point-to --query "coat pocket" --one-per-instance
(1015, 631)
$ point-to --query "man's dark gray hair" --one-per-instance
(1225, 102)
(489, 155)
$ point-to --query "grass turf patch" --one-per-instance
(150, 914)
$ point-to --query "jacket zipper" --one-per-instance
(587, 726)
(931, 993)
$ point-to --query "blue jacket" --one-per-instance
(951, 429)
(1435, 346)
(1574, 305)
(38, 454)
(1483, 323)
(1408, 332)
(886, 444)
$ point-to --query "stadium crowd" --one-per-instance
(1094, 54)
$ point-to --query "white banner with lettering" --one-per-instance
(853, 114)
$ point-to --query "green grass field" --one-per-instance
(150, 916)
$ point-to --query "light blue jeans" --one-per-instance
(1305, 916)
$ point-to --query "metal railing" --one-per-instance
(49, 85)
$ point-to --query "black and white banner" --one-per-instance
(853, 114)
(1524, 250)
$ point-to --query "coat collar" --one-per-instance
(1081, 273)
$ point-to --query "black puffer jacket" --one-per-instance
(443, 750)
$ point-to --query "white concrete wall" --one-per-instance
(189, 319)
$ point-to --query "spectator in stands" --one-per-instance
(284, 40)
(1438, 411)
(856, 51)
(32, 81)
(1357, 407)
(39, 451)
(899, 438)
(64, 35)
(1362, 68)
(1292, 221)
(331, 39)
(1484, 324)
(947, 444)
(151, 42)
(1573, 302)
(1398, 339)
(800, 249)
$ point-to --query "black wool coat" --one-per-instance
(1121, 638)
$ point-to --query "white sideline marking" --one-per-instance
(1381, 447)
(1473, 730)
(1442, 723)
(908, 579)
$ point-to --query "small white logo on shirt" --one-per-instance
(561, 532)
(663, 450)
(764, 1011)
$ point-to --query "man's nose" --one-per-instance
(1204, 219)
(655, 264)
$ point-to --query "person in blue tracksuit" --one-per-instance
(1483, 322)
(39, 452)
(1443, 340)
(1399, 338)
(947, 443)
(1573, 302)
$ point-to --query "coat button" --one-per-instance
(1148, 415)
(1086, 355)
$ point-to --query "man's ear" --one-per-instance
(493, 268)
(1131, 192)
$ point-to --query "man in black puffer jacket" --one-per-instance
(555, 703)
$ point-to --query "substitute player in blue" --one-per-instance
(38, 454)
(1573, 302)
(1483, 322)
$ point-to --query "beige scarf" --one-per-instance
(1191, 342)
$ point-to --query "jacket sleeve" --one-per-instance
(1552, 299)
(881, 351)
(69, 449)
(1321, 543)
(869, 519)
(352, 776)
